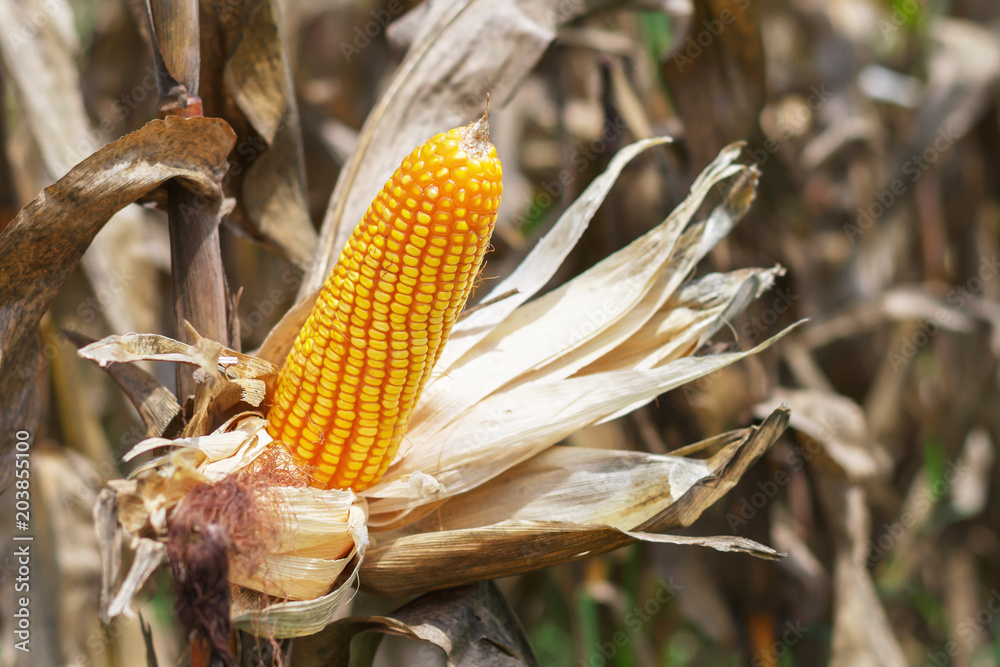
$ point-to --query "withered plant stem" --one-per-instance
(195, 257)
(198, 278)
(198, 547)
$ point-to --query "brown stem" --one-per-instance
(200, 295)
(198, 278)
(195, 258)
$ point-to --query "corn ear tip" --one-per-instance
(476, 135)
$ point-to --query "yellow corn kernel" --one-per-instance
(360, 362)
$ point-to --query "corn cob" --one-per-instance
(349, 385)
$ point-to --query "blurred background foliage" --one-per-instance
(876, 126)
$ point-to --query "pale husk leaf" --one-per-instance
(564, 319)
(318, 533)
(620, 489)
(294, 618)
(670, 274)
(428, 555)
(509, 427)
(291, 576)
(214, 447)
(149, 556)
(538, 267)
(688, 319)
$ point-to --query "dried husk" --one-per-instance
(316, 534)
(42, 245)
(564, 504)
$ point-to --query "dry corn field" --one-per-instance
(465, 333)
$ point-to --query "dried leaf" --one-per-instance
(397, 561)
(571, 316)
(157, 405)
(244, 378)
(65, 565)
(670, 271)
(42, 68)
(295, 618)
(173, 32)
(247, 81)
(136, 347)
(963, 72)
(44, 243)
(690, 318)
(535, 270)
(905, 303)
(39, 64)
(149, 556)
(109, 541)
(510, 427)
(147, 638)
(862, 634)
(318, 536)
(727, 543)
(473, 625)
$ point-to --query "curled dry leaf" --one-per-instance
(246, 377)
(41, 66)
(246, 80)
(212, 359)
(43, 244)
